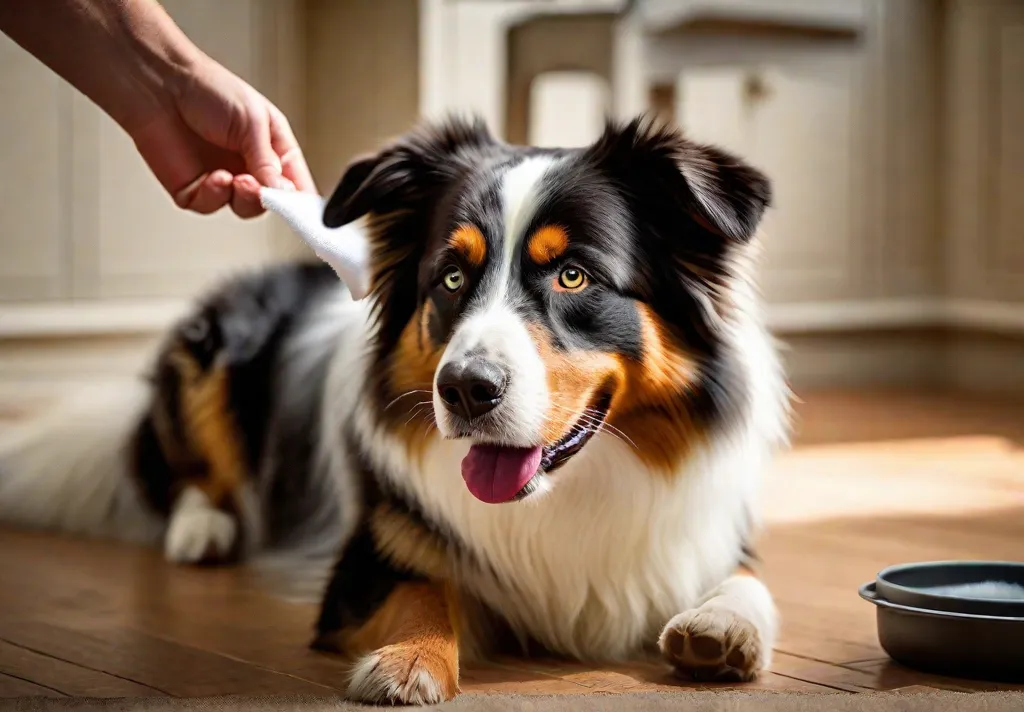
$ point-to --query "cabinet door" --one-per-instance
(802, 135)
(796, 124)
(33, 143)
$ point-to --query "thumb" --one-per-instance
(261, 161)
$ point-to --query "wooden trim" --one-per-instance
(106, 318)
(111, 318)
(861, 315)
(869, 315)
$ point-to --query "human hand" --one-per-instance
(218, 141)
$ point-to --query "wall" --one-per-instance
(363, 78)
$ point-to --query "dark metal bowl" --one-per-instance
(915, 585)
(966, 645)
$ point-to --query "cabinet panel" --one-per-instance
(1009, 155)
(33, 141)
(803, 135)
(984, 216)
(797, 124)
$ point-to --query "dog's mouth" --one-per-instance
(496, 473)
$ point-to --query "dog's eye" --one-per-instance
(453, 279)
(572, 279)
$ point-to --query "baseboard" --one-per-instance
(891, 314)
(907, 358)
(110, 318)
(82, 319)
(35, 371)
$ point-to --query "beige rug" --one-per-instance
(725, 701)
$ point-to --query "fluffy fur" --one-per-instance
(592, 307)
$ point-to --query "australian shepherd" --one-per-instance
(544, 428)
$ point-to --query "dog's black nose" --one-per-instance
(471, 387)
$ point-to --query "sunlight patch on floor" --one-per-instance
(895, 478)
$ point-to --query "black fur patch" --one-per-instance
(241, 326)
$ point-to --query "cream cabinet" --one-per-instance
(34, 187)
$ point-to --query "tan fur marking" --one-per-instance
(548, 243)
(413, 626)
(407, 543)
(470, 242)
(648, 407)
(210, 428)
(411, 382)
(574, 380)
(651, 410)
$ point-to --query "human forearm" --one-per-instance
(128, 56)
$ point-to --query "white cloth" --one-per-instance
(345, 248)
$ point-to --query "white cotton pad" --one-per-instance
(345, 248)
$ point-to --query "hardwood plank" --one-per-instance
(211, 610)
(889, 675)
(647, 676)
(494, 679)
(11, 686)
(821, 673)
(65, 677)
(158, 664)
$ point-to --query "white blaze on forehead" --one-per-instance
(521, 194)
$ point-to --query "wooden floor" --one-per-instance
(874, 480)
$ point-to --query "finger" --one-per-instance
(207, 194)
(293, 163)
(245, 198)
(261, 161)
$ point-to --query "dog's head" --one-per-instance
(533, 297)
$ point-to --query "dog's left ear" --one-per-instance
(669, 174)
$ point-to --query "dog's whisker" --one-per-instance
(595, 419)
(404, 395)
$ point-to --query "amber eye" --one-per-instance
(571, 279)
(453, 279)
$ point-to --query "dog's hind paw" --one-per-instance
(198, 532)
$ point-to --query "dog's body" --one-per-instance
(572, 329)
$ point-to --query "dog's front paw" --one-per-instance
(404, 674)
(713, 643)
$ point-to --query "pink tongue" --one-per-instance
(496, 474)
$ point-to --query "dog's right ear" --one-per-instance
(365, 187)
(405, 172)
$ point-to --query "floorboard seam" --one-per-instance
(84, 667)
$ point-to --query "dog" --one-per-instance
(545, 429)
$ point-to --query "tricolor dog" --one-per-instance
(544, 429)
